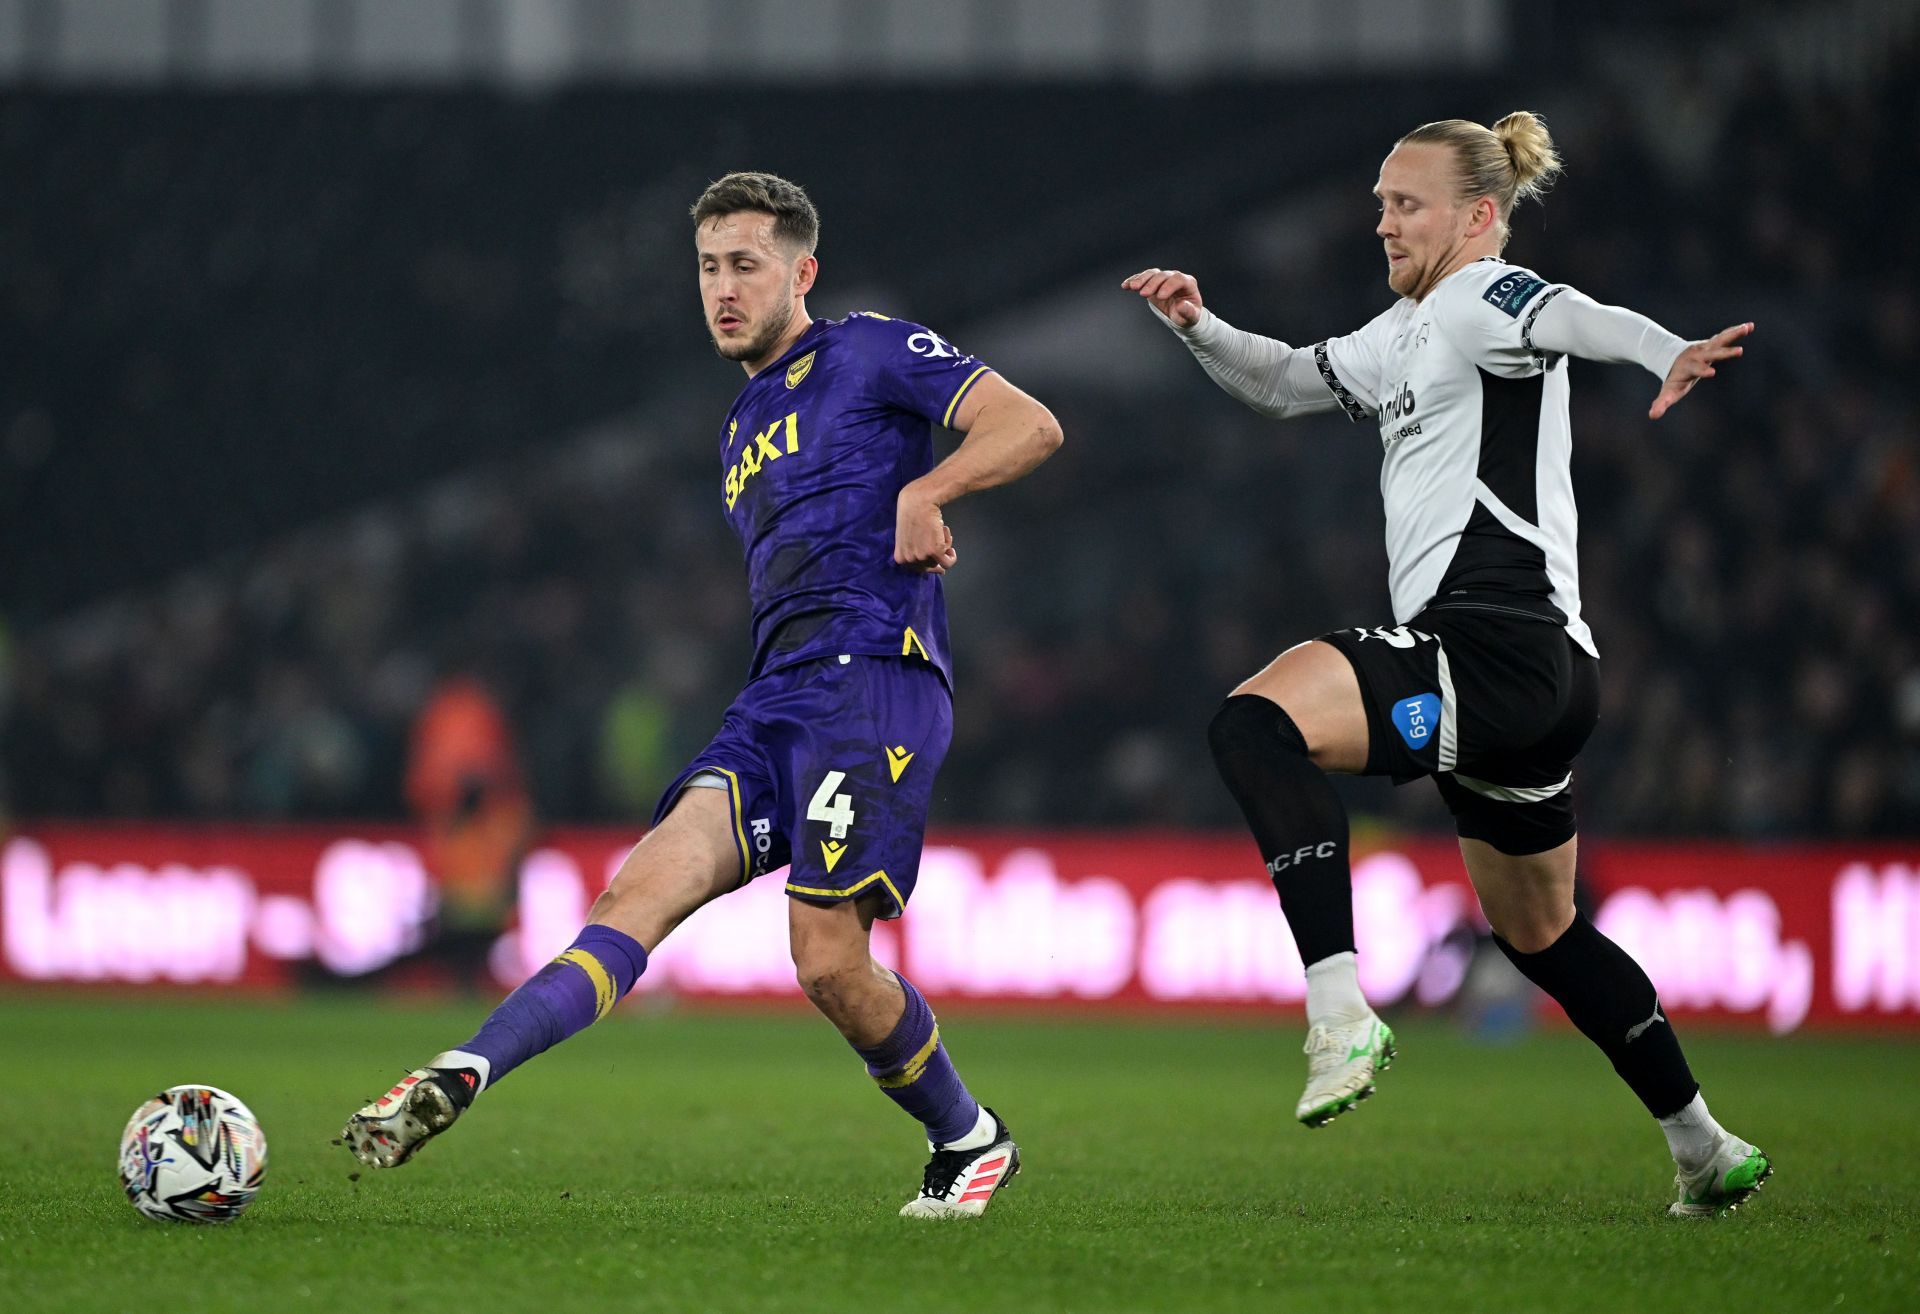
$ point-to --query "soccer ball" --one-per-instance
(192, 1154)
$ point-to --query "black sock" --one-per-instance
(1613, 1003)
(1297, 820)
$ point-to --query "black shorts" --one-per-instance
(1492, 704)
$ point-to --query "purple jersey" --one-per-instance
(814, 453)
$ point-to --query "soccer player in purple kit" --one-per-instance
(826, 759)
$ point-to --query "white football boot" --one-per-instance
(961, 1183)
(1342, 1060)
(1735, 1172)
(387, 1132)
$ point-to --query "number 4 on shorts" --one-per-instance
(834, 809)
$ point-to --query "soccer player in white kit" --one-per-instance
(1488, 680)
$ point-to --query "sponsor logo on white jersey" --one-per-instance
(1398, 405)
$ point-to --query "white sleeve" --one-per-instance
(1518, 324)
(1574, 324)
(1267, 374)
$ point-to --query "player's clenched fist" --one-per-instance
(921, 539)
(1173, 294)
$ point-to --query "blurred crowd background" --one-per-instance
(343, 426)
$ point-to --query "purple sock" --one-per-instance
(569, 994)
(914, 1071)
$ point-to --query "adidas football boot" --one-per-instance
(388, 1132)
(961, 1183)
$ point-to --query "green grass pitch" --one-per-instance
(727, 1162)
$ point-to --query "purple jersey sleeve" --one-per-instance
(914, 369)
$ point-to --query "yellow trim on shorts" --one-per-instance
(851, 890)
(739, 821)
(955, 403)
(603, 996)
(914, 1068)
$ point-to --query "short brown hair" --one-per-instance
(795, 221)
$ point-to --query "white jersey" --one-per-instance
(1469, 388)
(1473, 422)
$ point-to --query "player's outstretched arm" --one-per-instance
(1007, 432)
(1573, 324)
(1696, 363)
(1263, 373)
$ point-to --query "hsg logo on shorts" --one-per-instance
(1416, 719)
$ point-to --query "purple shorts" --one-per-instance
(829, 765)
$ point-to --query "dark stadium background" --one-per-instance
(363, 579)
(325, 380)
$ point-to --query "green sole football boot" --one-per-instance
(1342, 1061)
(1736, 1171)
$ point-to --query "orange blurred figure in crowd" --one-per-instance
(464, 782)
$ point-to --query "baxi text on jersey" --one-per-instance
(779, 439)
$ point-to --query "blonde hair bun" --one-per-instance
(1535, 163)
